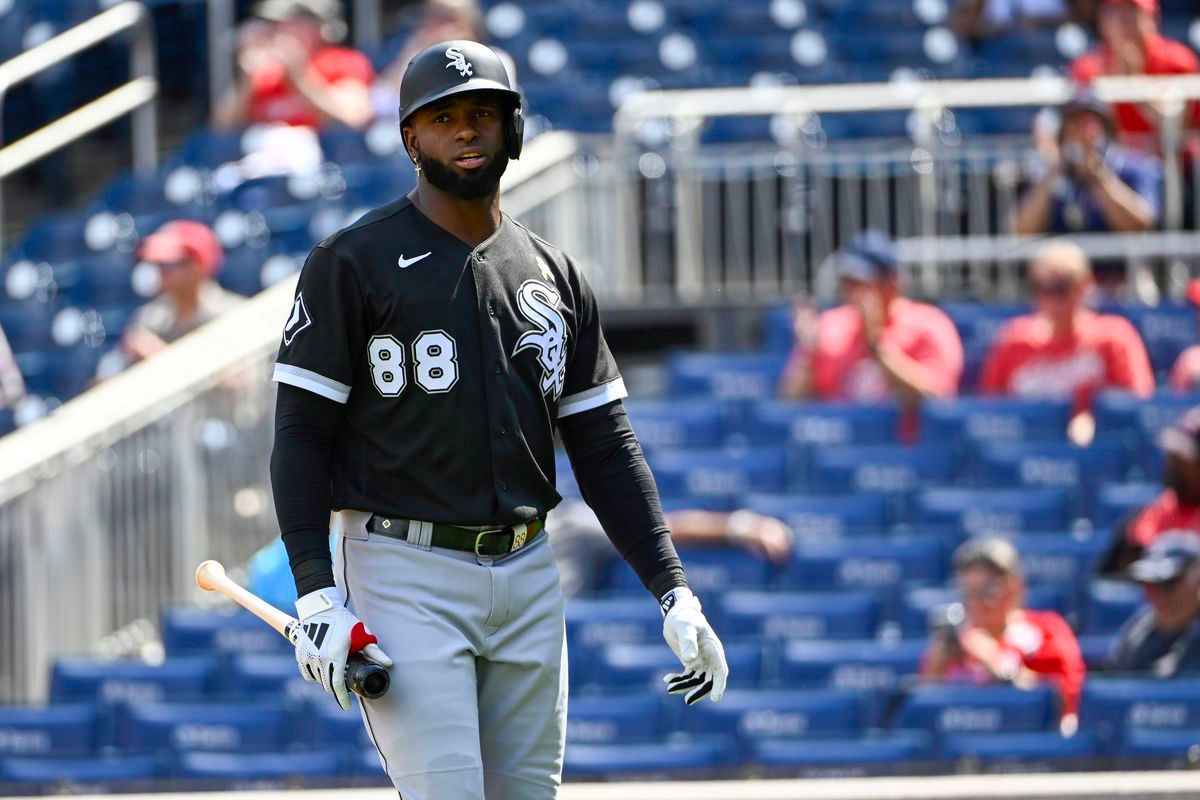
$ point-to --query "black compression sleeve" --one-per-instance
(616, 482)
(306, 427)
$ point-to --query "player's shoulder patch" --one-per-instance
(299, 320)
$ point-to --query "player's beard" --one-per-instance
(474, 185)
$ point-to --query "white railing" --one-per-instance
(108, 504)
(136, 97)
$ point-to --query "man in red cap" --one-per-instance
(1132, 45)
(187, 255)
(1185, 375)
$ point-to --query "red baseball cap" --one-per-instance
(1193, 291)
(1145, 5)
(183, 239)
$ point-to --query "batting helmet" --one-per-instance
(458, 66)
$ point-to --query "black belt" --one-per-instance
(491, 542)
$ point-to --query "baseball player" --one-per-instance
(433, 350)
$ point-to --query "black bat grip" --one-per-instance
(366, 678)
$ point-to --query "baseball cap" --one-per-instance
(989, 551)
(283, 10)
(1183, 438)
(183, 239)
(1086, 100)
(1167, 558)
(870, 256)
(1145, 5)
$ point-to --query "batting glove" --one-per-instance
(327, 635)
(697, 647)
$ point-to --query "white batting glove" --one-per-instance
(697, 647)
(327, 635)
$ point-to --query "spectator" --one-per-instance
(1132, 45)
(290, 71)
(437, 21)
(1185, 374)
(1064, 350)
(1176, 508)
(187, 255)
(584, 553)
(879, 345)
(998, 641)
(1163, 637)
(1090, 183)
(12, 386)
(981, 19)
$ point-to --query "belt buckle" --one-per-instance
(479, 539)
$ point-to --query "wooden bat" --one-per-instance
(364, 678)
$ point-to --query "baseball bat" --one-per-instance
(364, 678)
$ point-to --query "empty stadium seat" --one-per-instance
(64, 729)
(867, 665)
(725, 472)
(260, 766)
(241, 727)
(1167, 330)
(822, 423)
(723, 375)
(1028, 751)
(760, 616)
(1116, 501)
(1058, 558)
(1111, 707)
(885, 469)
(1078, 470)
(1110, 603)
(323, 721)
(825, 516)
(192, 631)
(642, 666)
(852, 757)
(1174, 748)
(872, 563)
(1095, 649)
(79, 771)
(266, 675)
(952, 711)
(1137, 421)
(770, 714)
(615, 718)
(1000, 419)
(673, 423)
(592, 623)
(978, 512)
(176, 679)
(638, 760)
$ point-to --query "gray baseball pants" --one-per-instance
(478, 703)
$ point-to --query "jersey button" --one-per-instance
(497, 369)
(504, 487)
(492, 309)
(503, 430)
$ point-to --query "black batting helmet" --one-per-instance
(457, 66)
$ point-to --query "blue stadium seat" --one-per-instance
(774, 421)
(1000, 419)
(50, 771)
(1110, 603)
(65, 730)
(920, 602)
(782, 616)
(976, 512)
(241, 727)
(53, 238)
(1058, 558)
(644, 760)
(885, 469)
(952, 711)
(206, 148)
(593, 623)
(1051, 464)
(615, 718)
(1030, 751)
(871, 563)
(723, 375)
(642, 666)
(1167, 330)
(102, 280)
(1116, 501)
(723, 472)
(867, 665)
(346, 146)
(267, 676)
(772, 714)
(778, 335)
(1170, 748)
(1137, 421)
(176, 679)
(260, 766)
(672, 423)
(825, 516)
(26, 325)
(1095, 649)
(716, 569)
(852, 757)
(323, 721)
(192, 631)
(1111, 707)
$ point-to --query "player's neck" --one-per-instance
(473, 221)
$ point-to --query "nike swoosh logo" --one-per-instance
(405, 263)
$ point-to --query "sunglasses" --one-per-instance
(986, 593)
(1054, 288)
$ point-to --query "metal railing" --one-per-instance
(699, 221)
(136, 97)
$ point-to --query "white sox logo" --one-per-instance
(538, 303)
(459, 62)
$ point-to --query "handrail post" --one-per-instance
(143, 64)
(1172, 109)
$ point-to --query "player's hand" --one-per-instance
(328, 634)
(696, 646)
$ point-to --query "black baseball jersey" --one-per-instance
(453, 364)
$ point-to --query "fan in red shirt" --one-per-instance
(880, 345)
(1132, 45)
(1063, 349)
(1185, 374)
(291, 74)
(995, 640)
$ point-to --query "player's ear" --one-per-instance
(409, 137)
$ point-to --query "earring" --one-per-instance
(416, 165)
